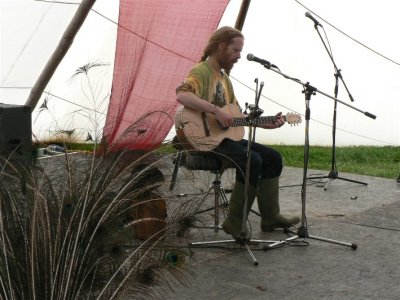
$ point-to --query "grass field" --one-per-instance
(364, 160)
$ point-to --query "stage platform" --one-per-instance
(366, 215)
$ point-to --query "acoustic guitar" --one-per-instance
(201, 131)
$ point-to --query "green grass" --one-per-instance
(363, 160)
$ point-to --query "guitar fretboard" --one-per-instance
(245, 121)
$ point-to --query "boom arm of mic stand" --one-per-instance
(338, 73)
(372, 116)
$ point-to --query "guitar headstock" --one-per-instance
(293, 119)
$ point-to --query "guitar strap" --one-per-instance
(183, 141)
(205, 124)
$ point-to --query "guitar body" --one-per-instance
(202, 132)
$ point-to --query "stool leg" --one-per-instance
(217, 201)
(175, 172)
(216, 206)
(220, 199)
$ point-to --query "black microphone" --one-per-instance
(264, 62)
(316, 23)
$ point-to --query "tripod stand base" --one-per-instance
(334, 175)
(242, 242)
(301, 234)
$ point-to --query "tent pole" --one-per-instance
(240, 19)
(59, 53)
(242, 14)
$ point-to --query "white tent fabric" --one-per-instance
(275, 30)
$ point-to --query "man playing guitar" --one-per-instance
(207, 90)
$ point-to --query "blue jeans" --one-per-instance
(265, 162)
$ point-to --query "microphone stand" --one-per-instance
(303, 231)
(252, 119)
(333, 173)
(254, 113)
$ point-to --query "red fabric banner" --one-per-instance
(158, 41)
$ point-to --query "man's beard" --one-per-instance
(227, 65)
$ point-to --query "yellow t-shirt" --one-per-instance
(209, 85)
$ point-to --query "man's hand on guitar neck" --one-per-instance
(279, 122)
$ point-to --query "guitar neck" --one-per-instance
(244, 121)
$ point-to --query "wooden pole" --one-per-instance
(242, 14)
(240, 19)
(59, 53)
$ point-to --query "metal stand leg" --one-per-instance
(302, 233)
(242, 242)
(333, 174)
(178, 162)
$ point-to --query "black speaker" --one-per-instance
(15, 131)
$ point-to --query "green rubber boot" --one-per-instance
(233, 223)
(268, 204)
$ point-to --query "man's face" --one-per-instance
(229, 54)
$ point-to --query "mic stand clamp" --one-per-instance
(254, 112)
